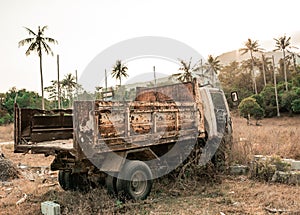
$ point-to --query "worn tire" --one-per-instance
(61, 179)
(69, 181)
(64, 180)
(134, 181)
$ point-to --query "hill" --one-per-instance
(235, 55)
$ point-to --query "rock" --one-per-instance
(295, 165)
(291, 177)
(239, 170)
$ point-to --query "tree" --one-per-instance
(119, 70)
(233, 77)
(296, 106)
(250, 108)
(188, 70)
(293, 57)
(282, 43)
(38, 43)
(69, 84)
(265, 62)
(213, 64)
(52, 90)
(251, 47)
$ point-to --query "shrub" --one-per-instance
(287, 99)
(269, 101)
(250, 108)
(296, 105)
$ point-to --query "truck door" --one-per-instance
(220, 110)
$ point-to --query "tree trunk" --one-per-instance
(264, 71)
(284, 69)
(275, 87)
(42, 81)
(253, 75)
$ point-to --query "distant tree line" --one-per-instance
(254, 78)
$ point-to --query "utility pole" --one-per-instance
(201, 66)
(76, 77)
(275, 86)
(58, 83)
(105, 81)
(154, 75)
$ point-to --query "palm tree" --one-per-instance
(293, 56)
(265, 62)
(119, 70)
(251, 47)
(38, 43)
(188, 70)
(213, 64)
(69, 83)
(282, 43)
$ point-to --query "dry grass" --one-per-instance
(276, 136)
(6, 133)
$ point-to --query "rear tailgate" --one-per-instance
(43, 132)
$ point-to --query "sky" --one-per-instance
(84, 29)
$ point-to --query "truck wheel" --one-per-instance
(64, 180)
(61, 179)
(111, 185)
(79, 181)
(69, 181)
(219, 158)
(134, 181)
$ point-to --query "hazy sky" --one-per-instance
(85, 28)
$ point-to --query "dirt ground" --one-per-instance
(226, 194)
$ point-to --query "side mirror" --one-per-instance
(234, 96)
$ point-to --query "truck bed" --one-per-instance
(104, 126)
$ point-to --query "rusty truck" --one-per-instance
(125, 145)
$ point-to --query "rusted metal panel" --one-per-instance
(85, 130)
(33, 127)
(175, 92)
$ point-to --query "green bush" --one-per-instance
(286, 100)
(269, 101)
(250, 108)
(296, 105)
(6, 119)
(259, 99)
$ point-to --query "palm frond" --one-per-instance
(26, 41)
(47, 48)
(51, 40)
(38, 42)
(243, 50)
(31, 32)
(32, 47)
(44, 28)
